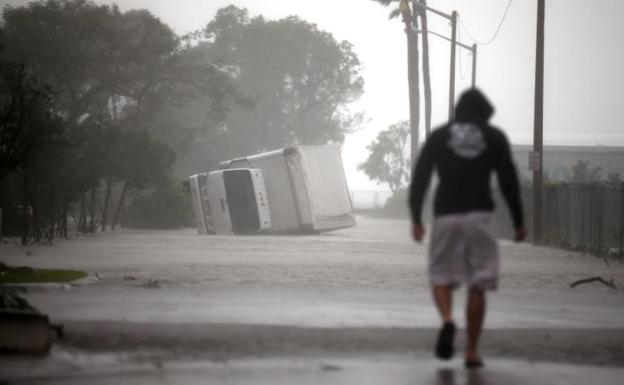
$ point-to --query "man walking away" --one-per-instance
(463, 246)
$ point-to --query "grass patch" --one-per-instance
(30, 275)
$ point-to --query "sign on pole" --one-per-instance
(535, 161)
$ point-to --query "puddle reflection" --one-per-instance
(449, 377)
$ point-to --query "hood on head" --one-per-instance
(473, 106)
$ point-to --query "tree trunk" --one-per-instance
(82, 216)
(64, 219)
(109, 183)
(26, 213)
(124, 209)
(413, 79)
(59, 224)
(426, 70)
(92, 211)
(122, 201)
(52, 215)
(36, 225)
(50, 235)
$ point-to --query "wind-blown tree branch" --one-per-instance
(387, 161)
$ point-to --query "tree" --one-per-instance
(97, 58)
(165, 207)
(614, 178)
(582, 173)
(298, 81)
(410, 20)
(387, 161)
(108, 64)
(110, 73)
(25, 110)
(147, 164)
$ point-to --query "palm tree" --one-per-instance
(426, 71)
(411, 30)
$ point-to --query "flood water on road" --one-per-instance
(357, 292)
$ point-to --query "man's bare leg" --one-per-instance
(475, 313)
(443, 297)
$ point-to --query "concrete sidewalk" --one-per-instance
(104, 352)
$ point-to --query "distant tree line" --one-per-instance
(104, 112)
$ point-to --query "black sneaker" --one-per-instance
(444, 348)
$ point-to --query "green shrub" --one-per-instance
(396, 206)
(168, 206)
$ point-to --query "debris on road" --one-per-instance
(152, 284)
(608, 283)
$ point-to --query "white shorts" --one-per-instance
(464, 249)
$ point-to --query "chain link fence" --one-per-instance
(369, 200)
(583, 217)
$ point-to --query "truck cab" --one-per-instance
(232, 201)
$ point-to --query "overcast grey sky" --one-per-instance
(583, 86)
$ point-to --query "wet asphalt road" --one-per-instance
(275, 308)
(370, 370)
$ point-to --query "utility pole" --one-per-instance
(452, 79)
(472, 49)
(454, 43)
(426, 68)
(422, 4)
(474, 65)
(537, 161)
(410, 19)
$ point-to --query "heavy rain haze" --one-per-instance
(221, 191)
(583, 82)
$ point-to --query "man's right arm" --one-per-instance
(420, 181)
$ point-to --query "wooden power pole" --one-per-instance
(474, 65)
(538, 130)
(452, 79)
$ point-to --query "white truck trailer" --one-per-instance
(306, 188)
(230, 201)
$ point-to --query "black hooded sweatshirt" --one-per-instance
(465, 153)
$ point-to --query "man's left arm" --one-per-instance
(508, 181)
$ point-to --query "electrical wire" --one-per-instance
(500, 25)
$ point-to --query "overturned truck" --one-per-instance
(291, 190)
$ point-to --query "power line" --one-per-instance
(500, 25)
